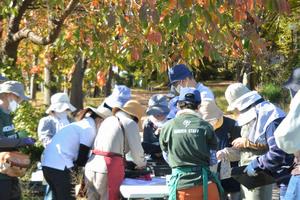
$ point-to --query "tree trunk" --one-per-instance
(107, 88)
(33, 85)
(76, 96)
(47, 81)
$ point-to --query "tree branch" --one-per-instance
(53, 33)
(14, 21)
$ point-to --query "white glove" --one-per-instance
(250, 170)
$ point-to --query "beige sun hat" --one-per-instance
(133, 108)
(14, 87)
(239, 97)
(59, 103)
(210, 111)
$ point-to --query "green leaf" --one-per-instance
(183, 25)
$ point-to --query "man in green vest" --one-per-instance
(11, 95)
(188, 140)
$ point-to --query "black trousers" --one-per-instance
(62, 183)
(10, 189)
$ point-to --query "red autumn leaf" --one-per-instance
(35, 69)
(95, 3)
(135, 54)
(154, 37)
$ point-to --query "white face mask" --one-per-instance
(12, 105)
(61, 115)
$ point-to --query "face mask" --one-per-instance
(178, 88)
(12, 105)
(61, 115)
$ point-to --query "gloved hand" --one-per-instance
(250, 170)
(221, 156)
(28, 141)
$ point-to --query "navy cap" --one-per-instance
(178, 73)
(293, 82)
(190, 95)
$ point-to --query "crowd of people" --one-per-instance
(187, 130)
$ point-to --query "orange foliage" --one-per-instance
(101, 78)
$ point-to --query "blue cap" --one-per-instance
(190, 95)
(178, 73)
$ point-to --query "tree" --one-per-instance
(14, 17)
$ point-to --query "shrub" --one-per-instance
(26, 119)
(273, 93)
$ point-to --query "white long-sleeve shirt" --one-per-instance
(63, 150)
(110, 139)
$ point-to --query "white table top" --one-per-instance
(134, 188)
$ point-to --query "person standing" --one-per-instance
(11, 95)
(68, 149)
(287, 134)
(180, 76)
(118, 134)
(120, 95)
(157, 112)
(258, 120)
(188, 140)
(226, 131)
(58, 117)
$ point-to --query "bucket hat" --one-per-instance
(178, 72)
(120, 95)
(158, 105)
(293, 82)
(14, 87)
(239, 97)
(210, 111)
(59, 103)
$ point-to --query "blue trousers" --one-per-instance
(293, 190)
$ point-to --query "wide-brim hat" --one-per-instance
(239, 97)
(133, 108)
(59, 103)
(100, 111)
(14, 87)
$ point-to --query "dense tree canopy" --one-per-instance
(145, 37)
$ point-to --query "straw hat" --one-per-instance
(14, 87)
(133, 108)
(59, 103)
